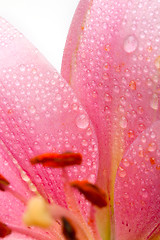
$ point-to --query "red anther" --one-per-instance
(4, 230)
(68, 230)
(56, 160)
(91, 192)
(3, 182)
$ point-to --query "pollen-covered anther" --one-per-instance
(68, 229)
(3, 183)
(56, 160)
(37, 213)
(91, 192)
(4, 230)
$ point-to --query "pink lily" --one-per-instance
(112, 63)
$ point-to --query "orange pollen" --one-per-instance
(4, 230)
(56, 160)
(3, 182)
(91, 192)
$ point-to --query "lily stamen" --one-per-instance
(57, 160)
(82, 233)
(5, 186)
(4, 230)
(61, 161)
(31, 233)
(92, 193)
(68, 230)
(16, 195)
(71, 201)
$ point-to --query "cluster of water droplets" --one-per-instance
(116, 70)
(39, 114)
(137, 189)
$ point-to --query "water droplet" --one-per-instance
(82, 121)
(107, 47)
(152, 147)
(143, 139)
(140, 110)
(144, 193)
(84, 142)
(65, 104)
(121, 172)
(123, 122)
(132, 85)
(22, 68)
(154, 101)
(107, 97)
(130, 44)
(131, 134)
(125, 162)
(32, 109)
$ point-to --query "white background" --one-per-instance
(44, 22)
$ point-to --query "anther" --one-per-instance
(68, 230)
(56, 160)
(4, 230)
(3, 183)
(5, 186)
(91, 192)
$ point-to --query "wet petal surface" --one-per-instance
(137, 188)
(40, 113)
(114, 69)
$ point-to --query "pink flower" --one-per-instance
(109, 115)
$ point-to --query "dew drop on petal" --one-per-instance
(154, 101)
(144, 193)
(121, 172)
(82, 121)
(152, 147)
(130, 44)
(107, 97)
(22, 68)
(123, 122)
(125, 162)
(32, 109)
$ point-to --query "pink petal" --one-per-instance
(137, 188)
(18, 237)
(114, 70)
(73, 37)
(11, 208)
(40, 113)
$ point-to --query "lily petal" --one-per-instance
(14, 197)
(114, 69)
(12, 174)
(40, 113)
(137, 188)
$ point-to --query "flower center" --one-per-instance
(67, 222)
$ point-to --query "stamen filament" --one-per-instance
(32, 233)
(72, 203)
(93, 225)
(82, 232)
(16, 195)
